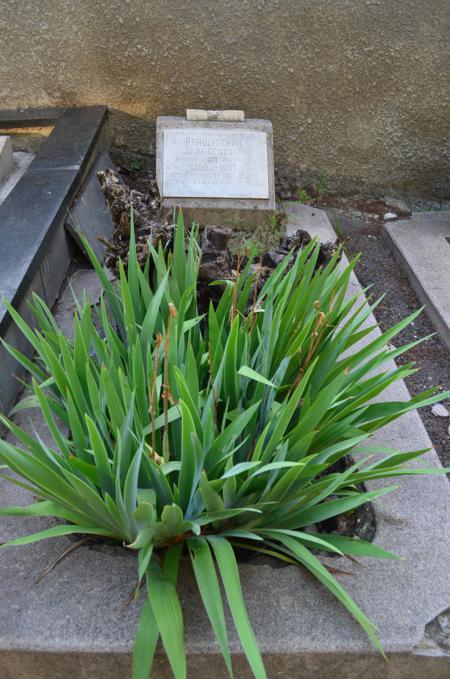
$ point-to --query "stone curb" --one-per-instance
(35, 251)
(421, 248)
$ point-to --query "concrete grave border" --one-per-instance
(420, 246)
(6, 157)
(73, 625)
(35, 250)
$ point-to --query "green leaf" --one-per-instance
(229, 573)
(354, 546)
(240, 469)
(169, 618)
(208, 584)
(144, 556)
(144, 643)
(102, 460)
(326, 510)
(191, 458)
(245, 371)
(304, 556)
(54, 532)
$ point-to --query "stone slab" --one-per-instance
(70, 144)
(35, 250)
(30, 117)
(90, 212)
(73, 623)
(215, 164)
(21, 161)
(238, 191)
(421, 245)
(6, 157)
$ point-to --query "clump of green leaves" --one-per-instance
(304, 196)
(314, 193)
(192, 435)
(320, 185)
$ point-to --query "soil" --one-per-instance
(379, 269)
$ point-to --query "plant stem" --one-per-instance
(153, 392)
(166, 392)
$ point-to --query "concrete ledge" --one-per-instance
(73, 625)
(30, 117)
(6, 157)
(421, 247)
(35, 250)
(21, 161)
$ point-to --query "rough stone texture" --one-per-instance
(72, 623)
(422, 247)
(233, 212)
(438, 410)
(6, 157)
(356, 89)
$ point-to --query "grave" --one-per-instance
(219, 171)
(73, 624)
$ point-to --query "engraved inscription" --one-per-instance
(215, 163)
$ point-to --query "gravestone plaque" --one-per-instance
(215, 164)
(217, 172)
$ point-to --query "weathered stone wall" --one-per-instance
(356, 89)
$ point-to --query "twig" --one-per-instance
(68, 551)
(133, 594)
(317, 334)
(152, 395)
(235, 289)
(255, 295)
(211, 380)
(166, 392)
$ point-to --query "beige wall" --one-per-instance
(356, 89)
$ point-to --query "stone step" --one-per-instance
(421, 245)
(72, 624)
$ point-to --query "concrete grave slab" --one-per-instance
(73, 623)
(90, 213)
(421, 245)
(35, 250)
(21, 161)
(6, 157)
(217, 172)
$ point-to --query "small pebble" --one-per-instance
(439, 411)
(390, 215)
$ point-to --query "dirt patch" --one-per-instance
(379, 269)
